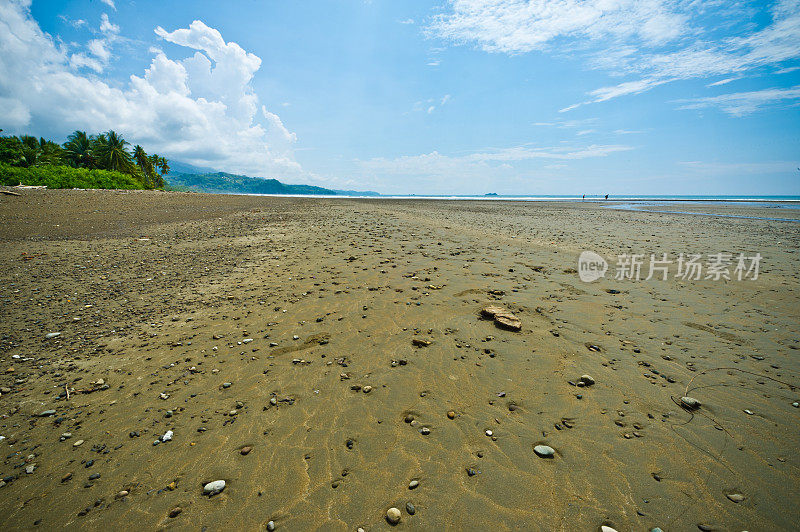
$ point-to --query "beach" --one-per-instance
(319, 355)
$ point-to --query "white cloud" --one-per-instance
(407, 21)
(658, 41)
(721, 82)
(435, 163)
(516, 26)
(743, 103)
(110, 3)
(201, 110)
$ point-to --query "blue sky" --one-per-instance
(444, 97)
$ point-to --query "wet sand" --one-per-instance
(158, 295)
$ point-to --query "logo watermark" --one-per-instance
(591, 266)
(687, 267)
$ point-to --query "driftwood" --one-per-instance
(10, 193)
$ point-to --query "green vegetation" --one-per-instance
(66, 177)
(84, 161)
(223, 183)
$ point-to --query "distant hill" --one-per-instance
(224, 183)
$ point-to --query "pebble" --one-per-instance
(587, 380)
(226, 385)
(167, 436)
(796, 404)
(735, 497)
(121, 494)
(271, 526)
(489, 433)
(244, 451)
(66, 477)
(606, 528)
(690, 402)
(30, 469)
(367, 389)
(78, 443)
(175, 512)
(410, 508)
(451, 414)
(212, 488)
(544, 451)
(424, 431)
(46, 413)
(413, 484)
(393, 516)
(52, 335)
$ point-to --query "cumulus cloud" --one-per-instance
(201, 110)
(743, 103)
(655, 41)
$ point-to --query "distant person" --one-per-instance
(584, 198)
(606, 196)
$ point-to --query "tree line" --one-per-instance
(105, 151)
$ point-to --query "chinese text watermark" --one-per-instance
(686, 266)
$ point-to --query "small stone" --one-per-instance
(409, 418)
(587, 380)
(735, 497)
(226, 385)
(271, 526)
(273, 400)
(690, 402)
(366, 389)
(212, 488)
(30, 469)
(121, 494)
(175, 512)
(413, 484)
(47, 413)
(489, 433)
(393, 516)
(425, 431)
(796, 404)
(52, 335)
(78, 443)
(66, 477)
(244, 451)
(606, 528)
(94, 476)
(410, 508)
(167, 436)
(544, 451)
(451, 414)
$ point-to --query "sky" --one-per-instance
(425, 97)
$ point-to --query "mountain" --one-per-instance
(225, 183)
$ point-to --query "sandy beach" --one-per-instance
(308, 353)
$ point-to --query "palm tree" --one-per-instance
(78, 150)
(112, 153)
(51, 154)
(30, 150)
(146, 166)
(163, 165)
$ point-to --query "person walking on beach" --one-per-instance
(606, 196)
